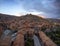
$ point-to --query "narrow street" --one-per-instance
(36, 41)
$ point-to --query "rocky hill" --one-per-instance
(27, 23)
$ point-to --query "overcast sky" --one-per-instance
(47, 8)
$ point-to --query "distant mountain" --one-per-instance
(31, 17)
(53, 20)
(5, 17)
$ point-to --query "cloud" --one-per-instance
(50, 7)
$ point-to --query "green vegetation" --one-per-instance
(55, 35)
(43, 28)
(29, 42)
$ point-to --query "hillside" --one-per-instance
(5, 17)
(28, 23)
(54, 20)
(28, 19)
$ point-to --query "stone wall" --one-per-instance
(19, 40)
(46, 40)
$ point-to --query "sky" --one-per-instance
(46, 8)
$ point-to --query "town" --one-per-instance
(29, 30)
